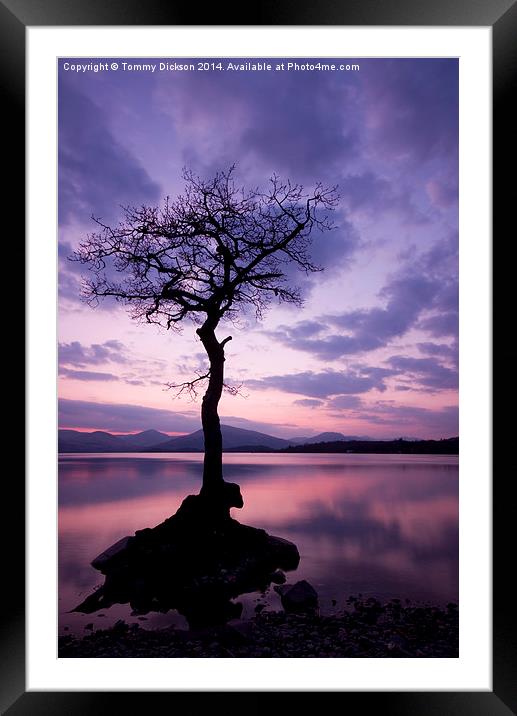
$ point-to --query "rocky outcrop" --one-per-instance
(196, 561)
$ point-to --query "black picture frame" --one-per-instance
(501, 15)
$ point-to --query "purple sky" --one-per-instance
(374, 349)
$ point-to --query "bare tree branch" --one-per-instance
(214, 248)
(213, 251)
(189, 386)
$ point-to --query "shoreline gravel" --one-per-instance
(366, 628)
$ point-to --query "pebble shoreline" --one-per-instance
(366, 628)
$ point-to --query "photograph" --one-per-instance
(258, 328)
(260, 313)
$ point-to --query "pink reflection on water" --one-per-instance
(383, 525)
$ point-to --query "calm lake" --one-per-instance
(376, 525)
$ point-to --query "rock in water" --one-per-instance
(110, 555)
(195, 561)
(298, 598)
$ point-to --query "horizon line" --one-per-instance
(89, 431)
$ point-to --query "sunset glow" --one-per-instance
(374, 350)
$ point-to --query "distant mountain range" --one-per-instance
(98, 441)
(234, 439)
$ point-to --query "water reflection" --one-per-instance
(371, 524)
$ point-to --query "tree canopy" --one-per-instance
(210, 253)
(214, 249)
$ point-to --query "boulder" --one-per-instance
(285, 553)
(110, 555)
(298, 598)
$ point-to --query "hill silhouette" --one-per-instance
(240, 440)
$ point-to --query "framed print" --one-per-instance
(380, 156)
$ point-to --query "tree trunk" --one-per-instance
(213, 461)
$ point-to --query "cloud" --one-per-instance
(297, 123)
(441, 350)
(129, 418)
(441, 324)
(412, 108)
(344, 402)
(443, 192)
(426, 371)
(70, 278)
(96, 171)
(328, 348)
(333, 251)
(309, 403)
(77, 354)
(124, 417)
(436, 349)
(359, 378)
(277, 429)
(441, 423)
(322, 385)
(406, 297)
(386, 135)
(441, 262)
(303, 125)
(315, 124)
(422, 294)
(373, 194)
(305, 131)
(86, 375)
(366, 329)
(69, 287)
(402, 420)
(304, 329)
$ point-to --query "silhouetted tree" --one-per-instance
(212, 251)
